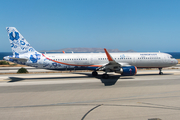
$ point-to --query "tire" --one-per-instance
(94, 73)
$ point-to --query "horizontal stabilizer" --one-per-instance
(19, 59)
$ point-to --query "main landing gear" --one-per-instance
(104, 76)
(160, 73)
(94, 73)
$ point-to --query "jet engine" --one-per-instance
(127, 71)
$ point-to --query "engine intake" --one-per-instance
(128, 71)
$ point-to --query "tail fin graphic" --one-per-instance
(19, 45)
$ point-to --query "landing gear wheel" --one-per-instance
(105, 76)
(94, 73)
(160, 73)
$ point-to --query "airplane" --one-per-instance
(123, 63)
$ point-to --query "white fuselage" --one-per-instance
(143, 60)
(123, 63)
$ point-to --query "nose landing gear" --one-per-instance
(160, 71)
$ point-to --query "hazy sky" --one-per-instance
(140, 25)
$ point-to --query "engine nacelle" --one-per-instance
(128, 71)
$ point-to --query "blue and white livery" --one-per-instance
(122, 63)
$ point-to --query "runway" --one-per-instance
(79, 96)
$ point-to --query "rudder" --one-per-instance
(19, 45)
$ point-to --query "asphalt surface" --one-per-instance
(79, 96)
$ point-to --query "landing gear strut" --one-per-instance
(160, 73)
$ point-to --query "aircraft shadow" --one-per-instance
(107, 82)
(17, 79)
(110, 81)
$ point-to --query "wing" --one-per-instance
(112, 65)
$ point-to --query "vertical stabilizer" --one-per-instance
(19, 45)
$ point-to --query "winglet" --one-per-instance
(108, 55)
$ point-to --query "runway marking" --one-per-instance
(91, 110)
(98, 105)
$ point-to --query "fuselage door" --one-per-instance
(165, 59)
(133, 59)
